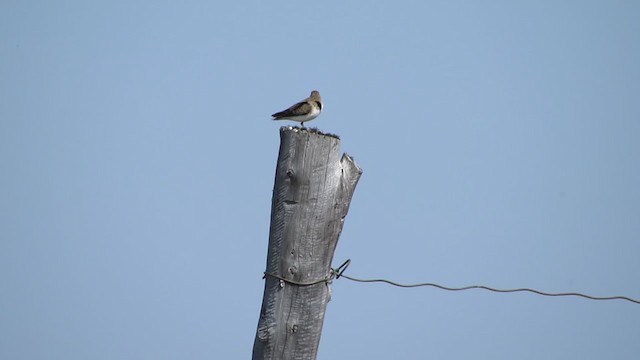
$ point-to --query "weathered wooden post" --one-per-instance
(311, 196)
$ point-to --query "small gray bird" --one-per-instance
(306, 110)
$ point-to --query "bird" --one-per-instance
(303, 111)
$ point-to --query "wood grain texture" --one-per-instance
(311, 196)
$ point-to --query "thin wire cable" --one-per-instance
(327, 279)
(340, 273)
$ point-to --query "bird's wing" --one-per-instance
(301, 108)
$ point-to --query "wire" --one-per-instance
(285, 280)
(339, 272)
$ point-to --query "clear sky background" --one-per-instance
(499, 142)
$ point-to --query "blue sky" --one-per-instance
(498, 139)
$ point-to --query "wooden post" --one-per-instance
(311, 196)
